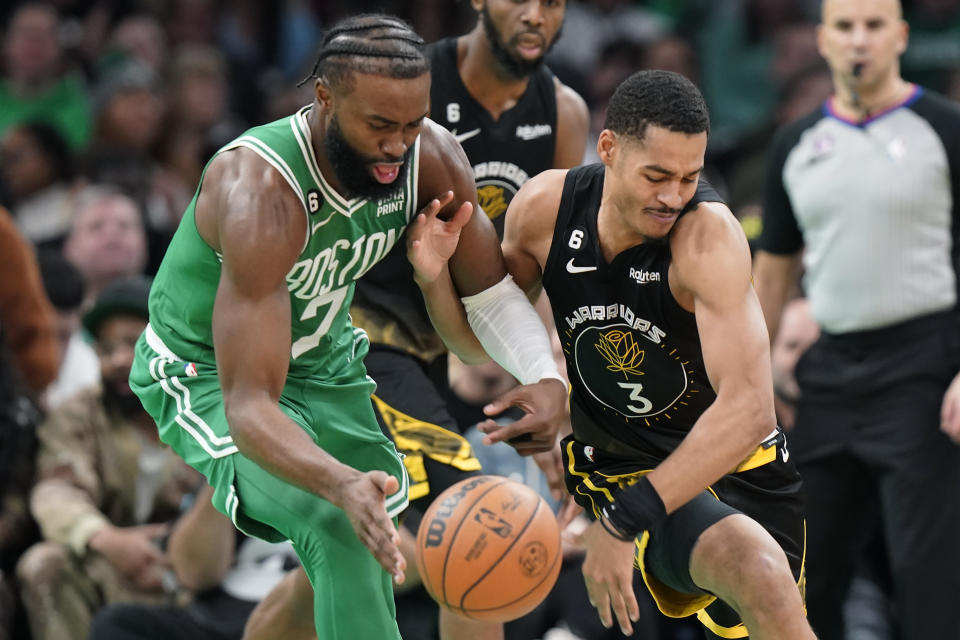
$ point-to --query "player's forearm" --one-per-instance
(267, 436)
(450, 320)
(723, 436)
(508, 327)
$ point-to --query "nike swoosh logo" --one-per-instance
(460, 137)
(572, 268)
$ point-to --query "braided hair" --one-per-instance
(369, 43)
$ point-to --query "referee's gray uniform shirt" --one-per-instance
(875, 204)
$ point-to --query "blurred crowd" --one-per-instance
(109, 111)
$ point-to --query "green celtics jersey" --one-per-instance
(344, 239)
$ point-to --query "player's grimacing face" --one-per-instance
(653, 179)
(372, 130)
(867, 33)
(521, 32)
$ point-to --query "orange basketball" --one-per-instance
(488, 548)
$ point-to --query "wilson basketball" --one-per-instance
(488, 548)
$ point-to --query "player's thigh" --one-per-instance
(671, 544)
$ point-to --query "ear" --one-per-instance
(821, 49)
(904, 39)
(323, 93)
(607, 147)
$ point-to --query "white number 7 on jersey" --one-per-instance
(334, 299)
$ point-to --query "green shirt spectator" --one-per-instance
(64, 105)
(35, 85)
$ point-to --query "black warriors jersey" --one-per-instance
(505, 152)
(633, 353)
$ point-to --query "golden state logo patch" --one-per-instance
(491, 200)
(628, 372)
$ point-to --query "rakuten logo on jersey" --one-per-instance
(642, 276)
(533, 131)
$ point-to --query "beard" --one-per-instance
(353, 169)
(119, 399)
(514, 65)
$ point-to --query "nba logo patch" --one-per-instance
(588, 452)
(190, 369)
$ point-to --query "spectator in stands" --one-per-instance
(36, 172)
(106, 487)
(230, 572)
(79, 366)
(28, 362)
(27, 322)
(107, 240)
(199, 120)
(35, 85)
(130, 105)
(142, 37)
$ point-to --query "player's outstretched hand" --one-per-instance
(431, 240)
(608, 574)
(362, 497)
(545, 406)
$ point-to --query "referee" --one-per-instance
(866, 191)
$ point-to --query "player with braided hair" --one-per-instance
(250, 365)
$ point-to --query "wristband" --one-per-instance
(635, 509)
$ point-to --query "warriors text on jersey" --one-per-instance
(633, 353)
(344, 239)
(505, 152)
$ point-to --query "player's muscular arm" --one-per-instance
(251, 215)
(573, 126)
(710, 275)
(260, 229)
(476, 263)
(774, 276)
(528, 229)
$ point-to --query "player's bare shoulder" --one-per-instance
(243, 196)
(708, 225)
(708, 248)
(573, 126)
(442, 160)
(533, 213)
(570, 105)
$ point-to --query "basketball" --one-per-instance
(488, 548)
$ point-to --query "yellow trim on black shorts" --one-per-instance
(761, 456)
(670, 602)
(416, 438)
(736, 631)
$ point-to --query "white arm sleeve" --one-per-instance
(511, 332)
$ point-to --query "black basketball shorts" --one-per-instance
(413, 414)
(765, 487)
